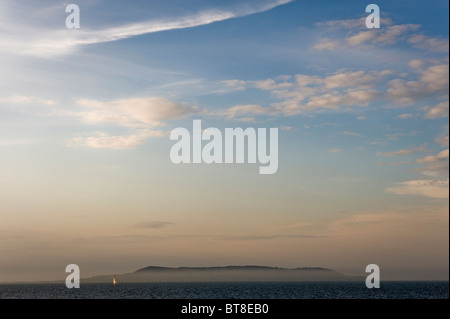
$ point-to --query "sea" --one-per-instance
(230, 290)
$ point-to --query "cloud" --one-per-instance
(350, 24)
(359, 79)
(429, 43)
(354, 134)
(14, 142)
(443, 141)
(140, 115)
(47, 42)
(267, 237)
(403, 152)
(398, 163)
(308, 93)
(106, 141)
(437, 111)
(335, 150)
(404, 116)
(132, 112)
(21, 99)
(270, 84)
(432, 82)
(154, 225)
(361, 37)
(237, 85)
(389, 33)
(426, 187)
(327, 44)
(434, 158)
(238, 111)
(437, 164)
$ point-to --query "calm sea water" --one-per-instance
(305, 290)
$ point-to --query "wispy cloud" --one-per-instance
(308, 93)
(437, 111)
(22, 99)
(443, 141)
(334, 150)
(104, 140)
(404, 116)
(436, 164)
(268, 237)
(242, 112)
(139, 115)
(431, 82)
(403, 152)
(154, 225)
(47, 42)
(132, 112)
(358, 35)
(426, 187)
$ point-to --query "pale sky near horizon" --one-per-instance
(86, 114)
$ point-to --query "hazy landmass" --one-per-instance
(224, 274)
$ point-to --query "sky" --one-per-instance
(86, 114)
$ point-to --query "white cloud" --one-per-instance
(443, 141)
(354, 79)
(416, 64)
(137, 114)
(238, 85)
(404, 116)
(432, 82)
(271, 84)
(398, 163)
(46, 42)
(426, 187)
(387, 34)
(333, 92)
(334, 150)
(22, 99)
(437, 111)
(350, 23)
(327, 44)
(437, 164)
(104, 140)
(361, 37)
(429, 43)
(403, 152)
(132, 112)
(238, 111)
(434, 158)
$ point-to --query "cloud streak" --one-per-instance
(60, 42)
(387, 35)
(154, 225)
(426, 187)
(104, 140)
(132, 112)
(403, 152)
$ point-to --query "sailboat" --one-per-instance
(114, 280)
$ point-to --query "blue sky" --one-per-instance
(86, 115)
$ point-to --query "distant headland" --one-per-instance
(248, 273)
